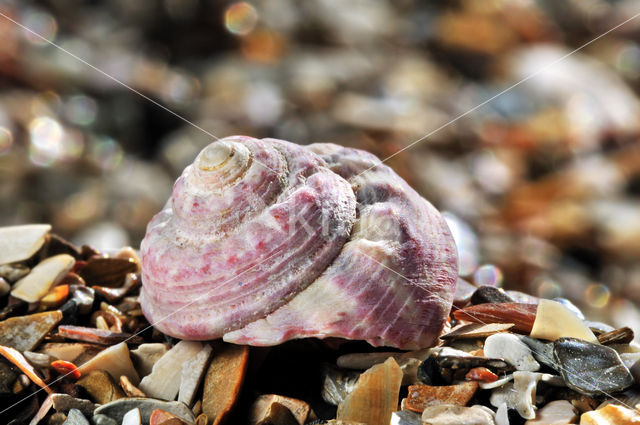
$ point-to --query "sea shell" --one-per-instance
(264, 241)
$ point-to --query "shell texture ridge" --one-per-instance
(263, 241)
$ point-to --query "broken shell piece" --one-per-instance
(55, 297)
(118, 408)
(42, 278)
(337, 384)
(24, 333)
(164, 380)
(276, 414)
(101, 386)
(299, 409)
(37, 359)
(223, 380)
(192, 374)
(481, 374)
(113, 295)
(521, 394)
(109, 272)
(15, 357)
(611, 414)
(66, 368)
(510, 348)
(129, 389)
(451, 414)
(13, 272)
(18, 243)
(617, 336)
(114, 360)
(83, 296)
(405, 417)
(146, 355)
(375, 396)
(559, 412)
(70, 351)
(521, 315)
(476, 330)
(132, 417)
(99, 336)
(420, 397)
(64, 402)
(554, 320)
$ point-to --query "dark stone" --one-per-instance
(542, 351)
(8, 375)
(56, 245)
(109, 272)
(488, 295)
(591, 369)
(69, 312)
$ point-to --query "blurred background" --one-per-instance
(541, 185)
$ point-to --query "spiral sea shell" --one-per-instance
(264, 241)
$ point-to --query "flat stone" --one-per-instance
(490, 294)
(130, 389)
(456, 415)
(132, 417)
(554, 320)
(75, 417)
(420, 397)
(622, 335)
(375, 395)
(42, 278)
(192, 374)
(24, 333)
(298, 408)
(64, 402)
(591, 369)
(115, 360)
(164, 380)
(557, 412)
(69, 351)
(611, 414)
(510, 348)
(476, 330)
(100, 386)
(223, 380)
(146, 355)
(118, 408)
(18, 243)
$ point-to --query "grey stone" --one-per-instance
(591, 369)
(118, 408)
(75, 417)
(64, 402)
(100, 419)
(193, 371)
(542, 351)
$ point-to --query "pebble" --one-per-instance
(164, 380)
(557, 412)
(510, 348)
(457, 415)
(490, 294)
(5, 288)
(276, 414)
(18, 243)
(405, 417)
(299, 409)
(103, 420)
(75, 417)
(554, 320)
(146, 355)
(24, 333)
(132, 417)
(617, 336)
(419, 397)
(101, 386)
(57, 418)
(337, 384)
(611, 414)
(115, 360)
(129, 389)
(375, 395)
(13, 272)
(223, 380)
(192, 374)
(118, 408)
(83, 296)
(109, 272)
(591, 369)
(542, 351)
(42, 278)
(64, 402)
(99, 336)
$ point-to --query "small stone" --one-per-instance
(299, 409)
(13, 272)
(162, 417)
(130, 389)
(192, 373)
(337, 384)
(83, 296)
(611, 414)
(114, 360)
(18, 243)
(557, 412)
(8, 375)
(5, 288)
(98, 336)
(542, 351)
(103, 420)
(70, 351)
(457, 415)
(146, 355)
(277, 414)
(75, 417)
(118, 408)
(554, 320)
(476, 330)
(16, 357)
(481, 374)
(38, 359)
(24, 333)
(521, 315)
(490, 294)
(223, 380)
(510, 348)
(42, 278)
(57, 418)
(109, 272)
(100, 386)
(589, 368)
(375, 396)
(164, 380)
(405, 417)
(617, 336)
(521, 394)
(132, 417)
(64, 402)
(420, 397)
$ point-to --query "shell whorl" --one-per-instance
(264, 241)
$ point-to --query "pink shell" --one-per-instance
(264, 241)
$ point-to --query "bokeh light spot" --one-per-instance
(240, 18)
(488, 275)
(46, 141)
(40, 23)
(597, 295)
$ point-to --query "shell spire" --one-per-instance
(264, 241)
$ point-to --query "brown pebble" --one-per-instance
(57, 418)
(420, 397)
(162, 417)
(617, 336)
(223, 380)
(300, 409)
(100, 386)
(109, 272)
(130, 389)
